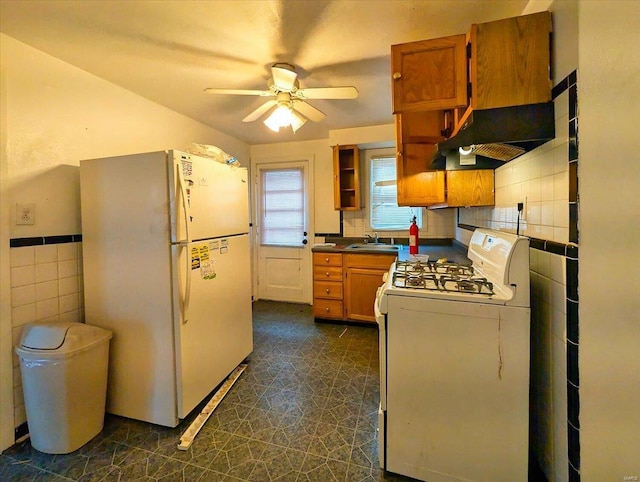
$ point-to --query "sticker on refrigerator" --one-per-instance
(214, 245)
(187, 168)
(195, 257)
(224, 246)
(207, 270)
(203, 252)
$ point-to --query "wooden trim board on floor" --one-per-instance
(190, 434)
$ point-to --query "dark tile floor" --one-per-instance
(305, 409)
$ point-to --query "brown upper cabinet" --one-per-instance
(436, 85)
(509, 64)
(497, 64)
(429, 74)
(449, 189)
(416, 136)
(346, 178)
(472, 187)
(509, 61)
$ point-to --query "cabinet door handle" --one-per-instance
(397, 75)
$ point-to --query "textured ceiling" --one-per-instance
(170, 51)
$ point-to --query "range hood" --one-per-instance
(499, 135)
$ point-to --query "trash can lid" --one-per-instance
(44, 336)
(54, 334)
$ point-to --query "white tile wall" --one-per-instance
(539, 180)
(46, 285)
(435, 224)
(548, 301)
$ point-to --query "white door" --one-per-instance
(284, 260)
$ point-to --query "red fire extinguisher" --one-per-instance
(413, 237)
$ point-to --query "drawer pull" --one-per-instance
(328, 290)
(328, 274)
(326, 259)
(327, 309)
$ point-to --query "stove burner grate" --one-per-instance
(440, 277)
(433, 267)
(466, 285)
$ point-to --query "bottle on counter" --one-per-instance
(413, 237)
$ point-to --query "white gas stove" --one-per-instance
(499, 273)
(454, 364)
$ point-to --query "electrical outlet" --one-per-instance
(25, 213)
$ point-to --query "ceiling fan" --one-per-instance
(289, 99)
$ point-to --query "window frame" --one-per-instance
(370, 157)
(298, 242)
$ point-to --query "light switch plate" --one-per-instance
(25, 213)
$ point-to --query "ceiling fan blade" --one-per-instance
(284, 77)
(260, 110)
(309, 111)
(263, 93)
(327, 93)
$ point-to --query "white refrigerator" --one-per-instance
(166, 262)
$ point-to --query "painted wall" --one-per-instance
(609, 283)
(53, 115)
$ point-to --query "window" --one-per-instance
(384, 213)
(282, 207)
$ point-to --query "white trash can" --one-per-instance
(64, 378)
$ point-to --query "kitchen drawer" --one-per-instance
(327, 308)
(373, 261)
(327, 289)
(327, 273)
(327, 259)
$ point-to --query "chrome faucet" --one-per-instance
(368, 237)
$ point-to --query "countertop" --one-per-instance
(451, 252)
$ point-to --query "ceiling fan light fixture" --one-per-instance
(284, 116)
(289, 100)
(280, 117)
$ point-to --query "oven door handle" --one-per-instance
(376, 306)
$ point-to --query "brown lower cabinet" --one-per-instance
(327, 286)
(345, 285)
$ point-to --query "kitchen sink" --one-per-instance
(374, 246)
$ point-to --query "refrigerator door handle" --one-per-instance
(184, 306)
(185, 244)
(185, 203)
